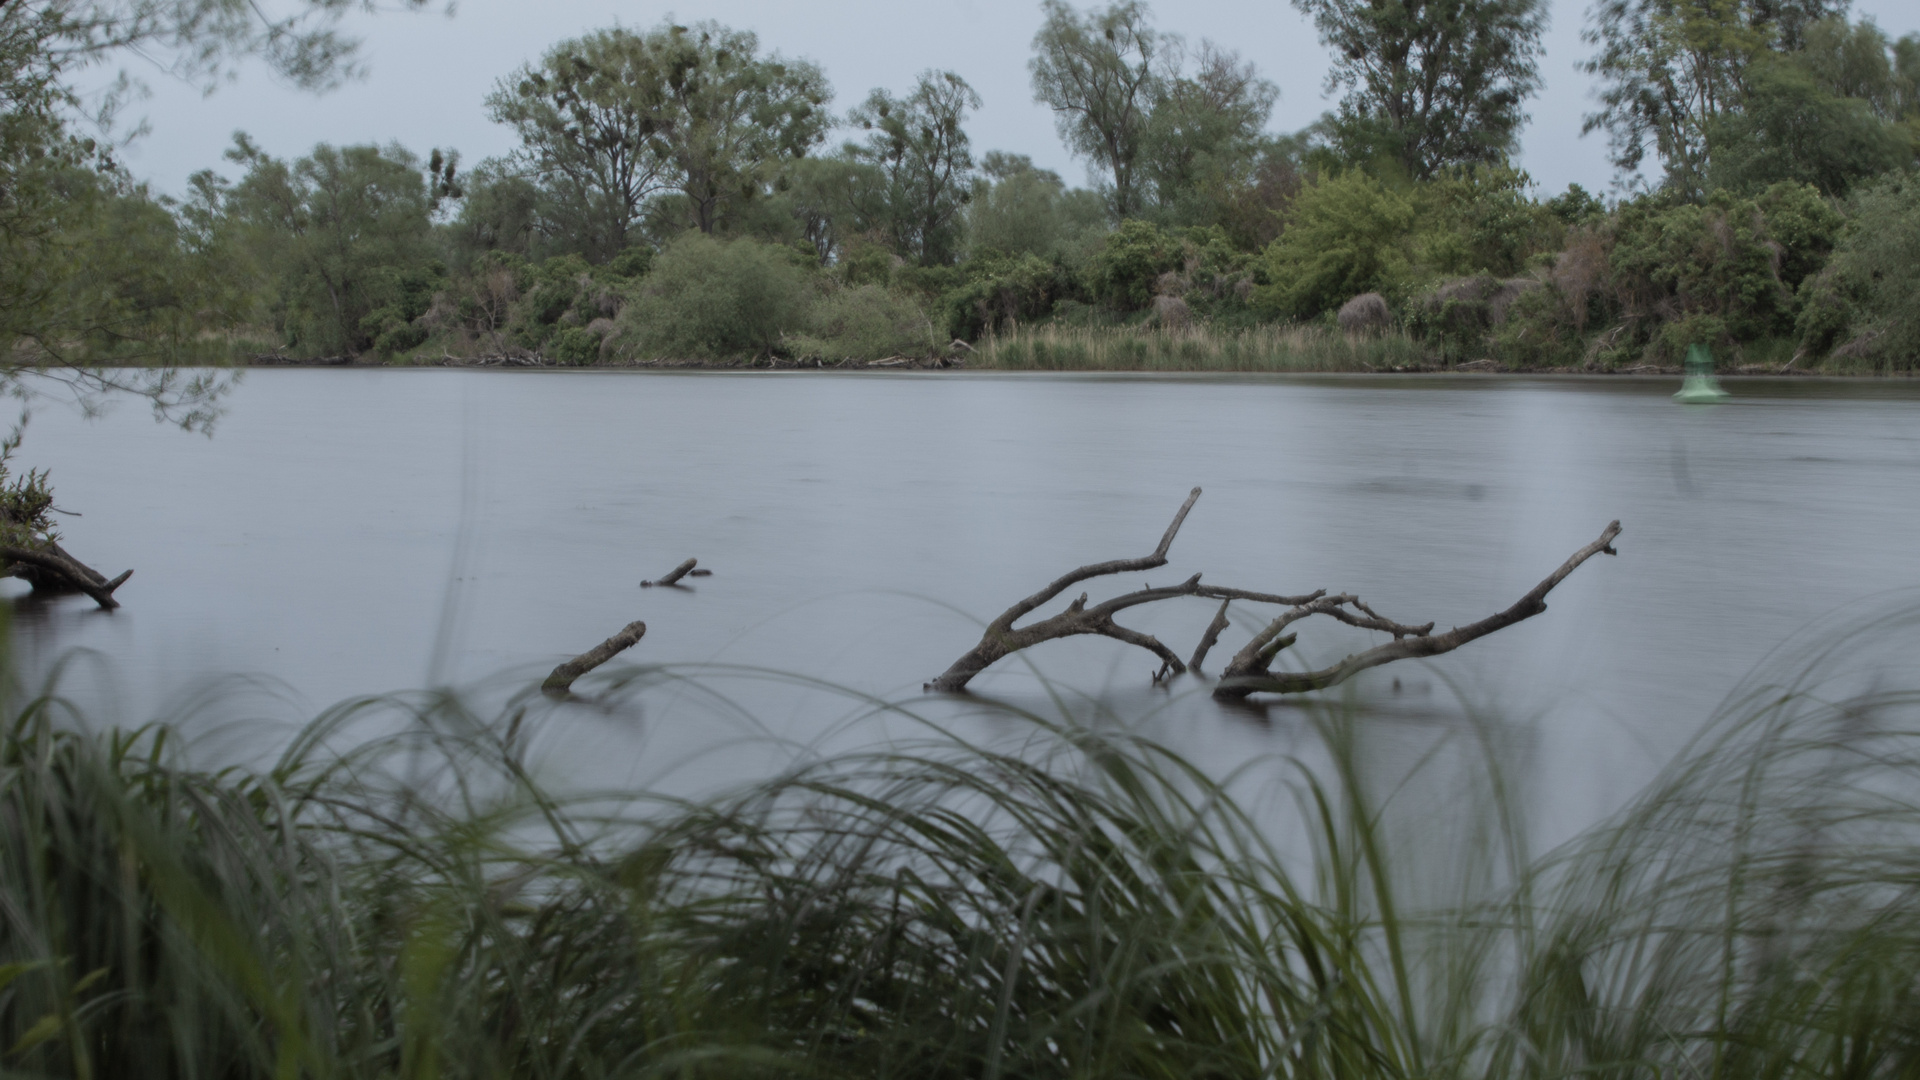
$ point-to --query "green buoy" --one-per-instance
(1699, 386)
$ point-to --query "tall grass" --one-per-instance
(1260, 348)
(1087, 904)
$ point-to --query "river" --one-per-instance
(364, 531)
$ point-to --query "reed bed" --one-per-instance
(1085, 904)
(1197, 348)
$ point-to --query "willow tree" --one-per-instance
(1430, 83)
(1670, 71)
(919, 143)
(586, 126)
(1098, 71)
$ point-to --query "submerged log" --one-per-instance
(673, 576)
(1250, 670)
(48, 567)
(560, 682)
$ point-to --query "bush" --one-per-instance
(575, 345)
(1349, 234)
(1863, 305)
(714, 299)
(866, 322)
(1001, 292)
(1122, 273)
(1677, 263)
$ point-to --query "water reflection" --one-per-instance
(364, 531)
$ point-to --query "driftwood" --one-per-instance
(49, 568)
(673, 576)
(561, 681)
(1249, 672)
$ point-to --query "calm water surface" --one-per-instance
(366, 531)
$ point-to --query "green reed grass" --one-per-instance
(1086, 904)
(1198, 348)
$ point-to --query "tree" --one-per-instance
(331, 229)
(1204, 135)
(1429, 83)
(587, 134)
(1018, 209)
(1098, 72)
(834, 198)
(727, 123)
(1669, 69)
(919, 143)
(1790, 128)
(74, 291)
(501, 210)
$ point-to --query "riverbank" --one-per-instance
(1266, 349)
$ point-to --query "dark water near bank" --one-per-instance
(365, 531)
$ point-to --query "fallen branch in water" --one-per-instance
(673, 576)
(1250, 670)
(1248, 673)
(48, 567)
(561, 681)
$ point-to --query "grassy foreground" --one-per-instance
(1089, 906)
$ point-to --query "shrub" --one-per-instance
(715, 299)
(1122, 273)
(575, 345)
(866, 322)
(1480, 221)
(1676, 263)
(1001, 292)
(1864, 302)
(1349, 234)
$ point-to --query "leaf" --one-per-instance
(10, 972)
(43, 1029)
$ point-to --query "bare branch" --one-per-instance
(52, 565)
(561, 681)
(1252, 677)
(1208, 639)
(1117, 566)
(675, 574)
(1002, 639)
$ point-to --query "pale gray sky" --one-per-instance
(429, 74)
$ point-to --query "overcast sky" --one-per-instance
(429, 73)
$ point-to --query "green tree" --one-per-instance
(1863, 301)
(1429, 83)
(1018, 209)
(588, 134)
(1099, 73)
(726, 123)
(834, 199)
(919, 143)
(1789, 128)
(1670, 69)
(333, 230)
(1204, 135)
(500, 211)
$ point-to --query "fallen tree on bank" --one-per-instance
(30, 549)
(1250, 670)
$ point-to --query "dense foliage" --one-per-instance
(1784, 135)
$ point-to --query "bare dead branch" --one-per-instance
(1001, 639)
(685, 569)
(1249, 675)
(561, 681)
(49, 565)
(1249, 671)
(1208, 639)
